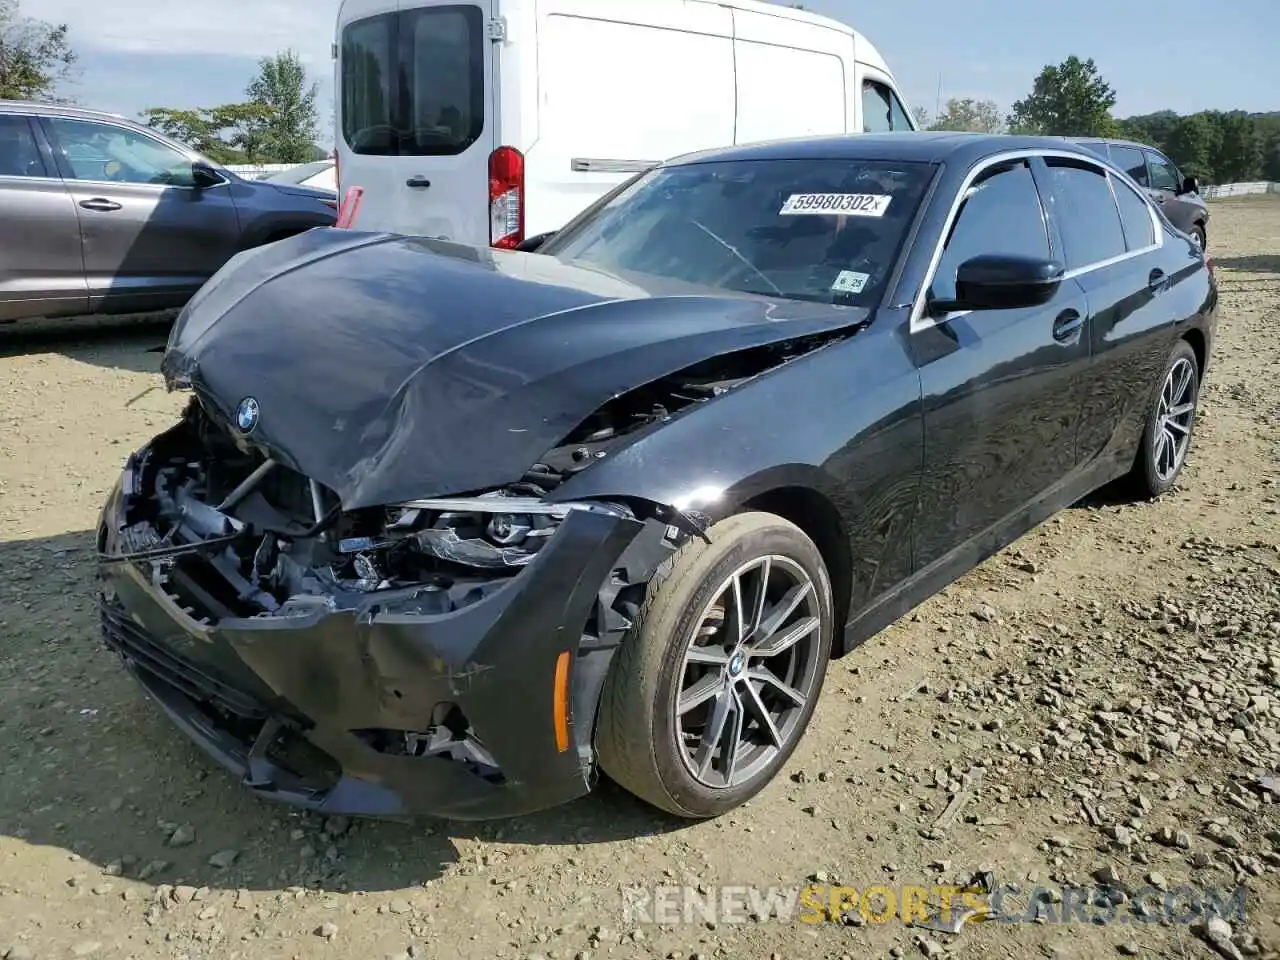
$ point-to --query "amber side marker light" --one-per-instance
(560, 702)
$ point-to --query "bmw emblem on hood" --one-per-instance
(247, 415)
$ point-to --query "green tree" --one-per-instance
(921, 117)
(35, 57)
(1157, 125)
(1192, 145)
(1239, 155)
(289, 131)
(965, 114)
(231, 133)
(1132, 128)
(1070, 99)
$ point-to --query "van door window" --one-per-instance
(413, 82)
(882, 111)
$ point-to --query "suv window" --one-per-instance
(1135, 215)
(1164, 175)
(1001, 214)
(822, 230)
(114, 154)
(1132, 162)
(412, 83)
(1085, 211)
(882, 111)
(19, 155)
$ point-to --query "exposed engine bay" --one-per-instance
(204, 500)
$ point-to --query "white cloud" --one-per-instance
(247, 28)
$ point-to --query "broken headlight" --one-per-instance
(493, 530)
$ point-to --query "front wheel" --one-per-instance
(1198, 236)
(717, 680)
(1170, 423)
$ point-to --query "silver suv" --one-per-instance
(102, 215)
(1178, 196)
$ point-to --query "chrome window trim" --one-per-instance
(919, 322)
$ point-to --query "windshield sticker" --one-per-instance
(847, 204)
(850, 281)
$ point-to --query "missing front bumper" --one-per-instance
(288, 703)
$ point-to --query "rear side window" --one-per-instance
(1000, 214)
(413, 82)
(1131, 161)
(1135, 215)
(19, 155)
(1086, 212)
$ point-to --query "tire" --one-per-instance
(1199, 236)
(1158, 466)
(639, 736)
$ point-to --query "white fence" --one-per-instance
(255, 171)
(1240, 189)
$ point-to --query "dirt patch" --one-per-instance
(1094, 707)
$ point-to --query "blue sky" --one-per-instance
(1175, 54)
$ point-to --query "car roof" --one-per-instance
(58, 110)
(905, 146)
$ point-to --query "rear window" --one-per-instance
(825, 230)
(412, 83)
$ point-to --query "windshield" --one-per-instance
(821, 230)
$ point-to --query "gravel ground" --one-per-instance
(1097, 705)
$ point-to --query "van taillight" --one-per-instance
(506, 197)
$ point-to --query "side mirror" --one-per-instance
(531, 244)
(1190, 185)
(998, 281)
(203, 175)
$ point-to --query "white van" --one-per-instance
(486, 121)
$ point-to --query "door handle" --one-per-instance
(418, 181)
(1156, 279)
(100, 203)
(1066, 325)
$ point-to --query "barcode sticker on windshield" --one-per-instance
(850, 281)
(836, 204)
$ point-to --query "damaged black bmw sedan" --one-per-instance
(450, 531)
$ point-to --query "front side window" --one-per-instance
(412, 83)
(1132, 162)
(1164, 176)
(19, 155)
(882, 111)
(1085, 211)
(1135, 216)
(822, 230)
(1001, 214)
(108, 153)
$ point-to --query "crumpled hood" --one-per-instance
(390, 368)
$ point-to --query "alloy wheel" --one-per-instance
(1174, 417)
(750, 668)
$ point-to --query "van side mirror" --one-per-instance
(531, 244)
(1190, 185)
(997, 281)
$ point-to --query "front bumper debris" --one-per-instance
(390, 707)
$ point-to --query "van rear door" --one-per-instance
(416, 117)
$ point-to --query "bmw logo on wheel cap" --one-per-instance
(247, 414)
